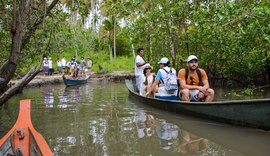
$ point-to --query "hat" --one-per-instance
(147, 66)
(50, 58)
(45, 58)
(164, 60)
(192, 57)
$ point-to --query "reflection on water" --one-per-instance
(100, 119)
(49, 98)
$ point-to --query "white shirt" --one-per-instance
(149, 79)
(139, 70)
(50, 63)
(59, 64)
(45, 63)
(89, 63)
(63, 62)
(149, 83)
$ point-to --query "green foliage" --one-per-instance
(231, 38)
(123, 62)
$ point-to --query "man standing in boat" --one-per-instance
(139, 67)
(194, 85)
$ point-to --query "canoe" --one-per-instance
(76, 81)
(22, 138)
(253, 113)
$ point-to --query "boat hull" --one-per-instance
(22, 138)
(74, 82)
(250, 113)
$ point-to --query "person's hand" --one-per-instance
(201, 96)
(148, 93)
(203, 90)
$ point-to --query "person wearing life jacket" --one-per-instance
(194, 85)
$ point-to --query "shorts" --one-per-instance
(193, 95)
(59, 68)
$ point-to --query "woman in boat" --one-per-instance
(194, 85)
(147, 80)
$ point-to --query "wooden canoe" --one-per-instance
(253, 113)
(76, 81)
(22, 138)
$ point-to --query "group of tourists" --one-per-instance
(72, 67)
(189, 84)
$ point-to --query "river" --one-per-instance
(99, 118)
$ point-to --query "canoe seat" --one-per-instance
(164, 96)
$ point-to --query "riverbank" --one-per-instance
(115, 76)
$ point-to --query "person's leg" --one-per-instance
(138, 83)
(210, 95)
(185, 94)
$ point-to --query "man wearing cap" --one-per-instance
(162, 77)
(139, 66)
(194, 85)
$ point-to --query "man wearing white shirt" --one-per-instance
(63, 61)
(50, 66)
(139, 66)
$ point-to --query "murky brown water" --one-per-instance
(100, 119)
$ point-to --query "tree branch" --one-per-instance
(37, 23)
(20, 85)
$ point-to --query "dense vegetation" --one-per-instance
(231, 38)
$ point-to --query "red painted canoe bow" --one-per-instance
(22, 137)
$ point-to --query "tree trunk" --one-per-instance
(114, 39)
(111, 55)
(132, 47)
(21, 35)
(19, 18)
(19, 85)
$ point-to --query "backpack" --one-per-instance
(171, 84)
(198, 73)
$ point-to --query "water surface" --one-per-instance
(99, 118)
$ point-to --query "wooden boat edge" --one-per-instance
(246, 101)
(25, 117)
(192, 108)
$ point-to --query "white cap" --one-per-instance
(164, 60)
(192, 57)
(50, 58)
(148, 66)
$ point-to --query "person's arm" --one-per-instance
(152, 87)
(138, 64)
(205, 86)
(155, 83)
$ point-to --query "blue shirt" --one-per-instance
(158, 76)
